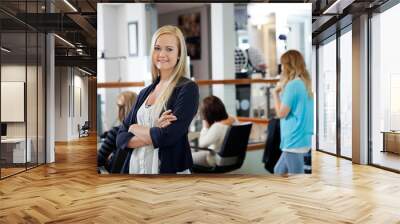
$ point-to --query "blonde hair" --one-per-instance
(179, 70)
(294, 66)
(128, 98)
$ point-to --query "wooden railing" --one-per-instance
(261, 121)
(119, 84)
(199, 82)
(254, 120)
(235, 81)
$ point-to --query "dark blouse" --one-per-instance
(174, 149)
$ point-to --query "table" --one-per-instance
(13, 150)
(391, 141)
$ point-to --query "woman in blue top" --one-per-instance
(155, 131)
(295, 108)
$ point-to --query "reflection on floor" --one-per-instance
(10, 169)
(386, 159)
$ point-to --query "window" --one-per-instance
(385, 88)
(327, 97)
(346, 94)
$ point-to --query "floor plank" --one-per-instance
(71, 191)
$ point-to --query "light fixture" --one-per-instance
(337, 7)
(84, 71)
(5, 50)
(70, 5)
(64, 40)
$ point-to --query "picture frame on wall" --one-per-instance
(190, 24)
(133, 38)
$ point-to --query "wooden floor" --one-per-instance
(10, 171)
(70, 191)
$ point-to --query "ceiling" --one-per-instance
(76, 22)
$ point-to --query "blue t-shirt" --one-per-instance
(297, 126)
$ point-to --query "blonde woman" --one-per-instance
(108, 149)
(155, 131)
(295, 108)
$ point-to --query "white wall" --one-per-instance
(14, 73)
(67, 115)
(32, 127)
(61, 103)
(118, 65)
(223, 46)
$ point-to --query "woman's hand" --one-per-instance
(132, 128)
(166, 119)
(142, 136)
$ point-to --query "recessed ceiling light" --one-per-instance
(64, 40)
(84, 71)
(70, 5)
(5, 50)
(338, 6)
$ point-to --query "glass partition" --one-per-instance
(13, 95)
(22, 91)
(327, 97)
(346, 94)
(31, 98)
(41, 99)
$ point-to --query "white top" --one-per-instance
(213, 138)
(297, 150)
(144, 160)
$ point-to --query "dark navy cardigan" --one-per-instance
(174, 149)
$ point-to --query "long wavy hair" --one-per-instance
(128, 98)
(179, 70)
(294, 66)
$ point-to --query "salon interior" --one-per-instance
(236, 61)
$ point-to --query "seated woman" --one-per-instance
(216, 123)
(125, 101)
